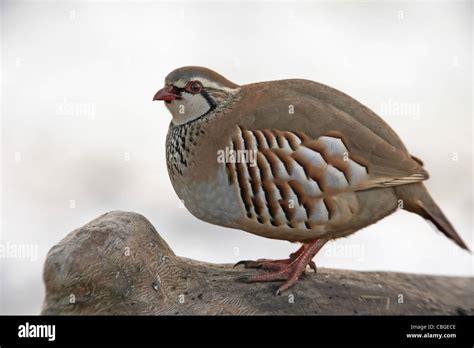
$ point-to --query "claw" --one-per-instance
(242, 262)
(312, 265)
(288, 284)
(250, 264)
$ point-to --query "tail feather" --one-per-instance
(436, 216)
(417, 200)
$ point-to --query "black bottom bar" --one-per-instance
(291, 330)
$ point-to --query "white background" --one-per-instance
(78, 122)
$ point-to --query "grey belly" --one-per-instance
(213, 200)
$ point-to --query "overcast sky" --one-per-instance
(81, 136)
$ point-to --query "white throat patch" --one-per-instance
(188, 108)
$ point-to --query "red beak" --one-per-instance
(167, 93)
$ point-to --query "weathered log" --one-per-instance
(119, 264)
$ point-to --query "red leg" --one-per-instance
(292, 270)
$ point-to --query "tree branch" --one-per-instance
(119, 264)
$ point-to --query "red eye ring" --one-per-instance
(194, 87)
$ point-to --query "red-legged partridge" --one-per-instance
(293, 160)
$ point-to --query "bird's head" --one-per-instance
(192, 92)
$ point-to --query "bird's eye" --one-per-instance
(194, 87)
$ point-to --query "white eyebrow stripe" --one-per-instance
(180, 84)
(207, 83)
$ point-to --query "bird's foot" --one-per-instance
(273, 265)
(289, 269)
